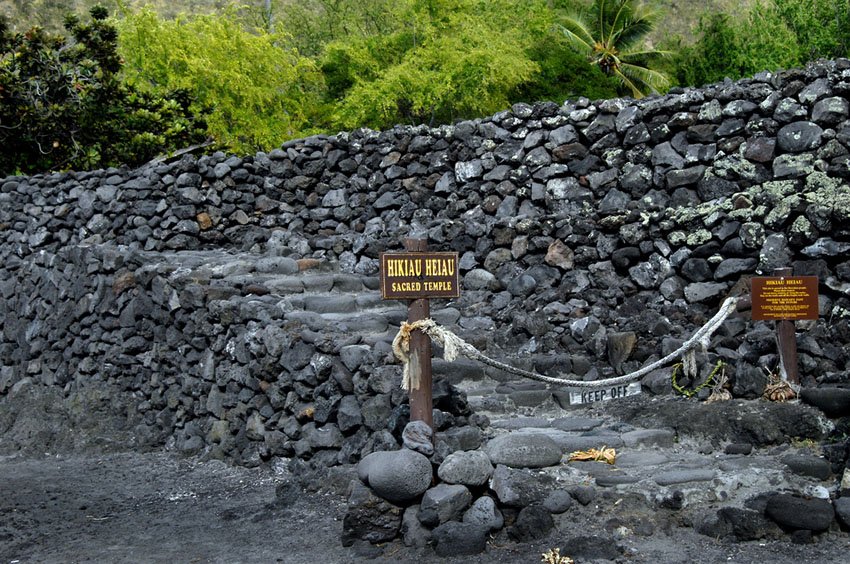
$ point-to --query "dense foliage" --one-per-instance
(435, 61)
(261, 92)
(773, 34)
(63, 105)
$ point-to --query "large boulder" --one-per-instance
(792, 512)
(524, 450)
(443, 503)
(397, 476)
(470, 468)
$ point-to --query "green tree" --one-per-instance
(821, 27)
(611, 34)
(759, 40)
(444, 61)
(771, 35)
(312, 24)
(63, 105)
(260, 92)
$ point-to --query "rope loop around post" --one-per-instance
(454, 346)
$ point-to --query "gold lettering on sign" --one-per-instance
(419, 275)
(404, 268)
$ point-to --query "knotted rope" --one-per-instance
(453, 346)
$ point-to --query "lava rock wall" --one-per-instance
(232, 301)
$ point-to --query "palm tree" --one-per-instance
(611, 34)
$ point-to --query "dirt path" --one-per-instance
(160, 508)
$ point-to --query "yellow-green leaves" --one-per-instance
(259, 91)
(450, 62)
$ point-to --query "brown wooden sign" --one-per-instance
(785, 297)
(413, 276)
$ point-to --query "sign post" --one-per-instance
(785, 298)
(417, 276)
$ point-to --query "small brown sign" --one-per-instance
(412, 276)
(785, 297)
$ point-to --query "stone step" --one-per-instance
(651, 465)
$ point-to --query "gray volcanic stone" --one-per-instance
(733, 267)
(353, 356)
(831, 111)
(399, 475)
(826, 246)
(748, 524)
(479, 279)
(558, 501)
(760, 149)
(327, 436)
(834, 402)
(277, 265)
(800, 513)
(563, 135)
(519, 488)
(348, 414)
(418, 436)
(523, 450)
(459, 539)
(704, 291)
(442, 503)
(413, 533)
(793, 166)
(649, 437)
(799, 136)
(521, 423)
(466, 171)
(469, 468)
(369, 518)
(665, 154)
(671, 477)
(842, 510)
(533, 522)
(583, 494)
(612, 477)
(483, 511)
(576, 423)
(806, 465)
(522, 286)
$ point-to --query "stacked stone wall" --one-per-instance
(232, 301)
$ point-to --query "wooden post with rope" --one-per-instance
(420, 349)
(786, 341)
(418, 276)
(785, 298)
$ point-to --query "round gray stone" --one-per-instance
(524, 450)
(443, 503)
(470, 468)
(799, 136)
(794, 512)
(418, 436)
(484, 512)
(397, 476)
(558, 501)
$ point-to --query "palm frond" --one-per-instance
(574, 26)
(634, 32)
(642, 55)
(615, 20)
(655, 80)
(636, 92)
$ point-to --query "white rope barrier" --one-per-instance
(454, 346)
